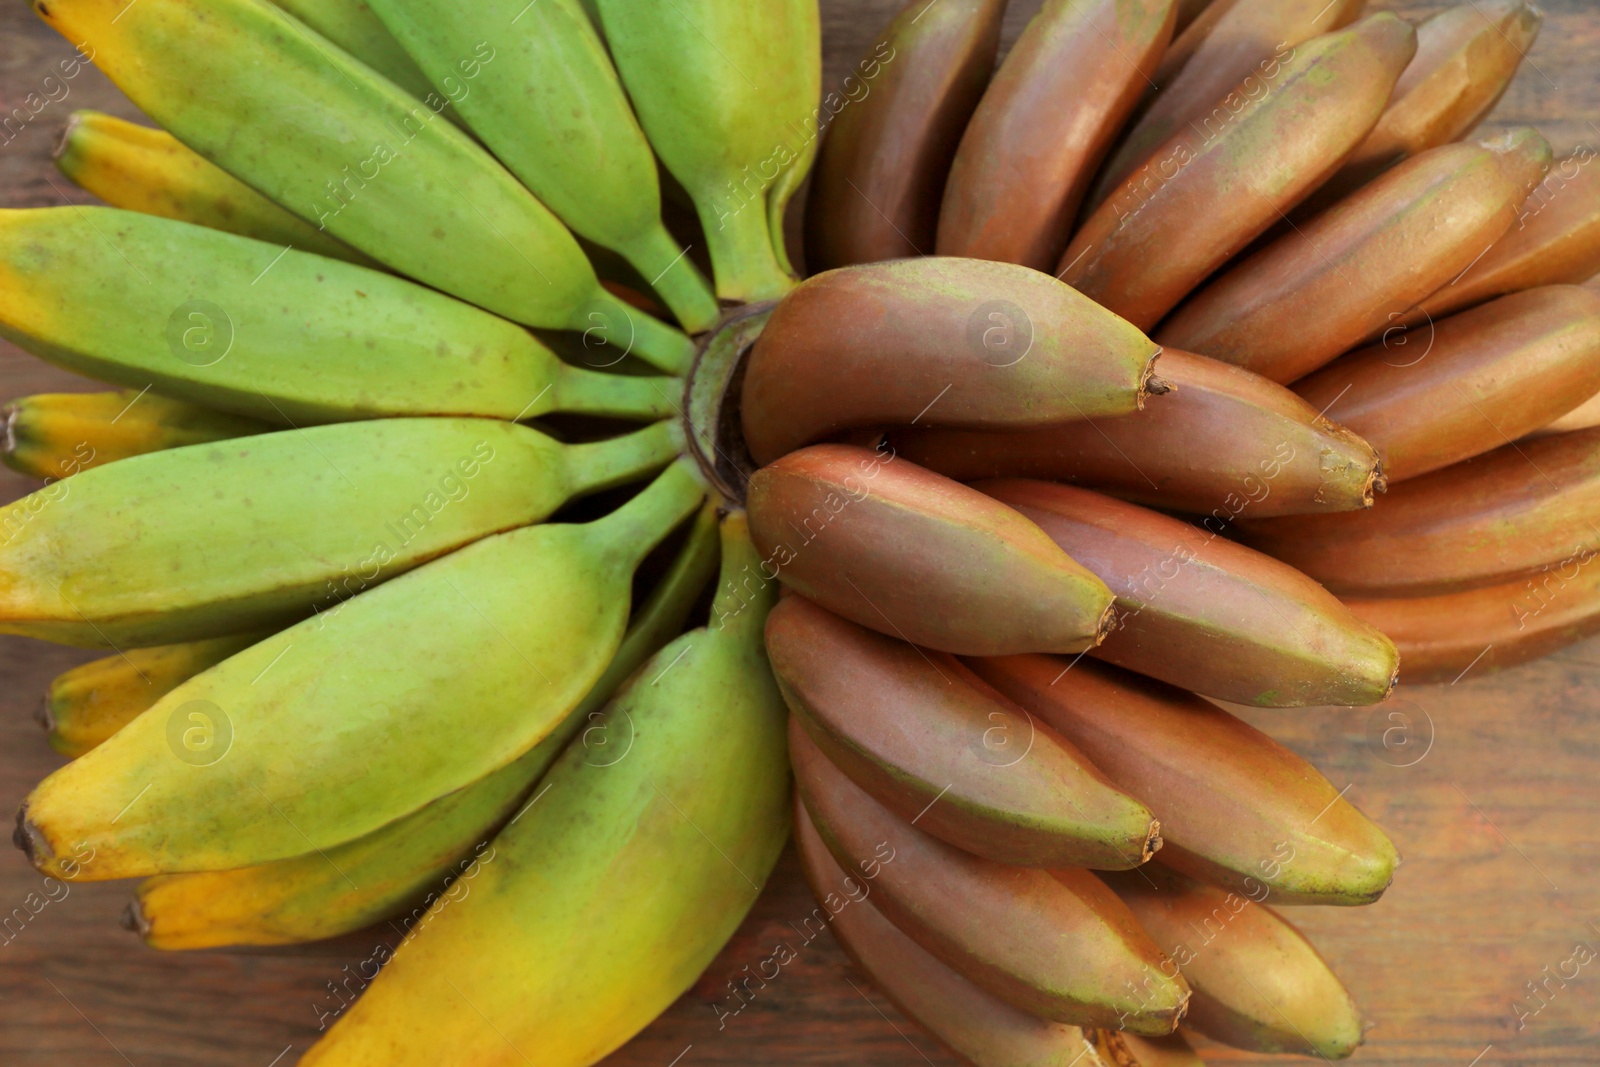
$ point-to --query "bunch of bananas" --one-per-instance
(399, 282)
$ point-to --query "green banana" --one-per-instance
(354, 27)
(612, 894)
(56, 435)
(91, 702)
(296, 117)
(283, 523)
(149, 170)
(283, 336)
(313, 896)
(341, 724)
(727, 91)
(551, 109)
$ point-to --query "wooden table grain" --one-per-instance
(1490, 787)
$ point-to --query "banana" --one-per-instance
(1203, 612)
(1322, 288)
(354, 27)
(56, 435)
(1556, 241)
(1502, 516)
(1265, 449)
(935, 745)
(1057, 944)
(1471, 383)
(144, 169)
(1130, 1050)
(343, 723)
(1227, 44)
(1258, 983)
(882, 165)
(908, 553)
(727, 92)
(1232, 172)
(551, 109)
(1044, 126)
(572, 939)
(1466, 58)
(282, 524)
(322, 134)
(1237, 809)
(283, 336)
(937, 341)
(87, 704)
(319, 895)
(983, 1029)
(1582, 417)
(1482, 630)
(1189, 10)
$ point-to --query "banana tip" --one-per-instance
(64, 138)
(1152, 842)
(133, 919)
(1106, 626)
(42, 716)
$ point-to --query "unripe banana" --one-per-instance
(56, 435)
(911, 554)
(1266, 450)
(1044, 126)
(283, 336)
(934, 744)
(1258, 983)
(352, 25)
(881, 169)
(727, 92)
(89, 703)
(1323, 287)
(343, 723)
(282, 524)
(1470, 383)
(319, 895)
(1057, 944)
(372, 155)
(149, 170)
(938, 341)
(983, 1029)
(1200, 611)
(1236, 808)
(551, 109)
(571, 939)
(1231, 174)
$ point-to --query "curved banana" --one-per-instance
(55, 435)
(144, 169)
(282, 524)
(320, 895)
(571, 939)
(343, 723)
(352, 25)
(283, 336)
(728, 93)
(300, 120)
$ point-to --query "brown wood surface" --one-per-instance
(1493, 802)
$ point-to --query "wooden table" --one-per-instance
(1495, 812)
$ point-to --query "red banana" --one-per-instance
(937, 342)
(1237, 809)
(1265, 448)
(1501, 516)
(881, 169)
(1129, 1050)
(1057, 944)
(1203, 612)
(1064, 90)
(1470, 384)
(934, 744)
(1324, 287)
(1230, 174)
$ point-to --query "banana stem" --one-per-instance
(746, 264)
(607, 320)
(639, 525)
(621, 396)
(744, 593)
(606, 464)
(675, 278)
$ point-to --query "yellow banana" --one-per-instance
(597, 909)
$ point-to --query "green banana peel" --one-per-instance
(551, 109)
(319, 895)
(354, 27)
(607, 899)
(283, 336)
(727, 92)
(281, 524)
(302, 121)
